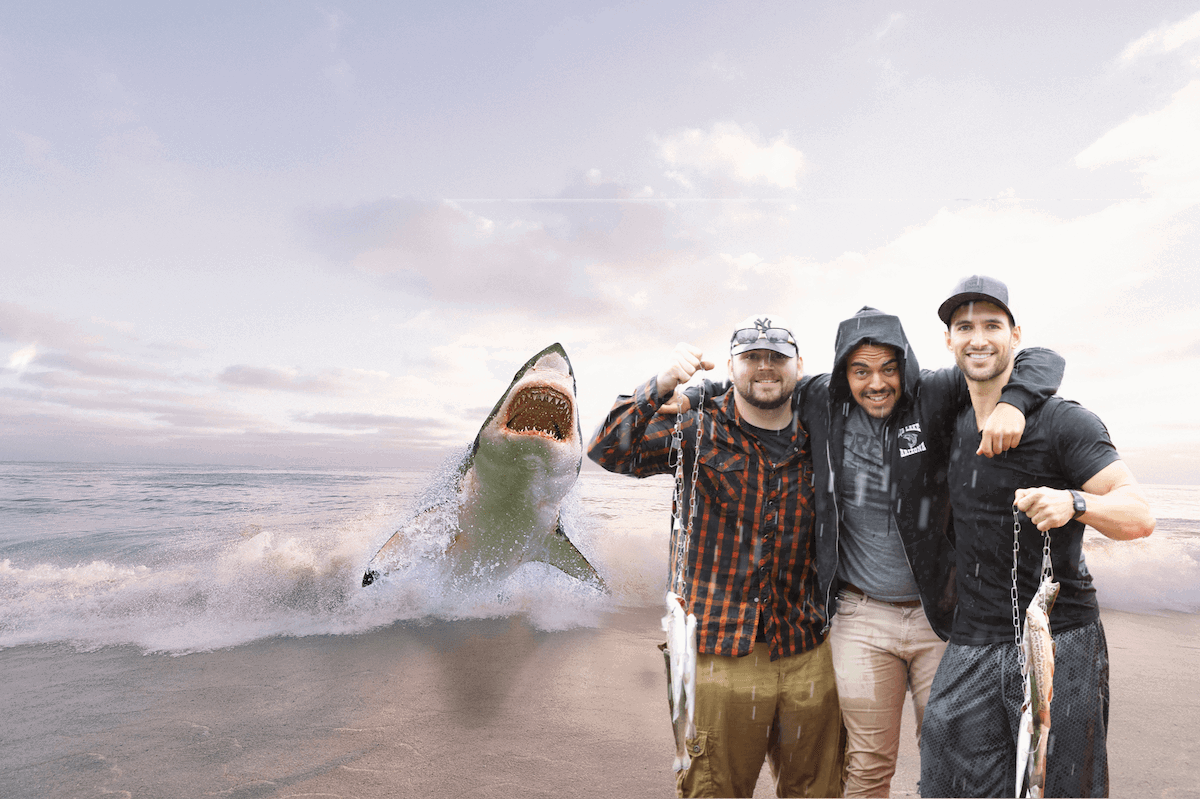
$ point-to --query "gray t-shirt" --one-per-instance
(872, 554)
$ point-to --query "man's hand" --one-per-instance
(686, 360)
(1002, 431)
(678, 403)
(1048, 508)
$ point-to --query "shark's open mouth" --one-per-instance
(543, 410)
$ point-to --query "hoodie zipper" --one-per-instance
(888, 424)
(837, 518)
(892, 463)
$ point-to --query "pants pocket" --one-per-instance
(698, 779)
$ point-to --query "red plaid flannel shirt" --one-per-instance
(752, 546)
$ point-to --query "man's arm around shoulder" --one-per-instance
(1037, 374)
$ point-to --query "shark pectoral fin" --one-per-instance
(560, 553)
(381, 557)
(410, 542)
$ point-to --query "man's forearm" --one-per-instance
(630, 441)
(1116, 505)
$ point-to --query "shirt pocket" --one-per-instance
(724, 480)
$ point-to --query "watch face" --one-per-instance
(1080, 505)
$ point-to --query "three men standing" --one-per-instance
(881, 430)
(845, 482)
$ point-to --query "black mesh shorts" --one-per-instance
(969, 738)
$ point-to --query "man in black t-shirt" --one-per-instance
(1064, 474)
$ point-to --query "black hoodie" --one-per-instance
(916, 441)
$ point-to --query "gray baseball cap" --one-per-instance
(763, 332)
(976, 287)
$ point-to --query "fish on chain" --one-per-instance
(1033, 731)
(680, 652)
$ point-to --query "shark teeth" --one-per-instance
(541, 409)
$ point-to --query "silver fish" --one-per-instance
(680, 651)
(1033, 731)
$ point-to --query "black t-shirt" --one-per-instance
(776, 442)
(1064, 445)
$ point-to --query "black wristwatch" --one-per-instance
(1080, 505)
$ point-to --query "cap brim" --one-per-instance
(946, 309)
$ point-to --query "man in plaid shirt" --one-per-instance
(764, 676)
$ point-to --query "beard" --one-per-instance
(981, 374)
(758, 398)
(767, 405)
(777, 386)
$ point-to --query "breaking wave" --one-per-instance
(1159, 574)
(233, 558)
(299, 579)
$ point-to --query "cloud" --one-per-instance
(22, 358)
(18, 323)
(727, 151)
(103, 367)
(724, 68)
(123, 327)
(1162, 143)
(372, 421)
(1164, 39)
(503, 256)
(121, 407)
(441, 251)
(39, 155)
(39, 436)
(886, 28)
(328, 381)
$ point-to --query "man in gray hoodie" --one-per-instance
(881, 429)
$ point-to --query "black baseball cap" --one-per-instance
(976, 287)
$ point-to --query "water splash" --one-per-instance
(1152, 575)
(287, 580)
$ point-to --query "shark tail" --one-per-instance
(560, 553)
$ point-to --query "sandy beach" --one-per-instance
(465, 709)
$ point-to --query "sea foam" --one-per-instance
(223, 558)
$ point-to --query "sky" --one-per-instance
(322, 234)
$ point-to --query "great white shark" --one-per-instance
(504, 506)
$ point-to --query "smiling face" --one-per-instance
(983, 341)
(763, 378)
(873, 373)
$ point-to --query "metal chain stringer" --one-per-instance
(682, 533)
(1016, 602)
(1046, 572)
(680, 624)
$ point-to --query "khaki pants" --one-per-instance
(880, 652)
(749, 708)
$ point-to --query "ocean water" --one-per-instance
(183, 559)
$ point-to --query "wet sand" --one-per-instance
(465, 709)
